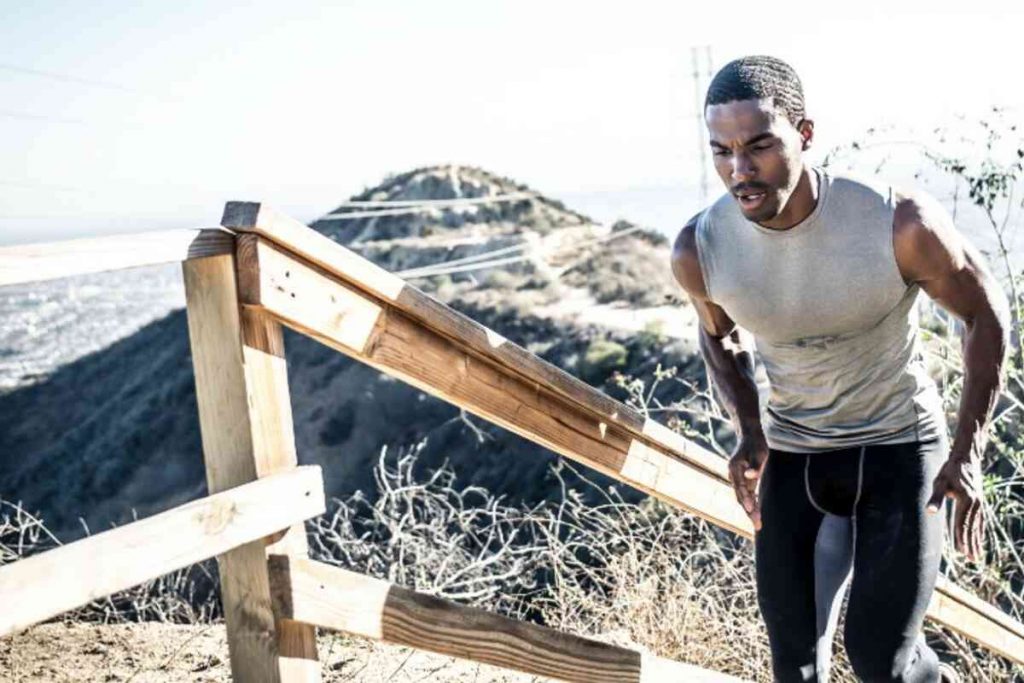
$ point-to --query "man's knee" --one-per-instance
(876, 661)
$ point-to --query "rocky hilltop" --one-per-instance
(115, 433)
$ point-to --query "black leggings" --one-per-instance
(823, 513)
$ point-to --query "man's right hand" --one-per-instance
(745, 468)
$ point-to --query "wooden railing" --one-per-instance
(263, 270)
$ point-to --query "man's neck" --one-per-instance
(801, 203)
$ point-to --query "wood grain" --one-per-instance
(362, 275)
(316, 303)
(44, 585)
(346, 601)
(247, 433)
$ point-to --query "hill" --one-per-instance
(115, 433)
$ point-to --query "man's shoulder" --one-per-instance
(685, 257)
(859, 188)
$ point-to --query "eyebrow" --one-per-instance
(751, 141)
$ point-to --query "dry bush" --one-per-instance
(462, 544)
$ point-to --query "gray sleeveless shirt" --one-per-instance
(834, 323)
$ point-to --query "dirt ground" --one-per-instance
(152, 652)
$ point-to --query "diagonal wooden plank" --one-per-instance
(375, 332)
(342, 600)
(361, 274)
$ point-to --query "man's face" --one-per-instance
(757, 153)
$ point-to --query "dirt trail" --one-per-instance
(151, 653)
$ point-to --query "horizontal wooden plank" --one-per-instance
(53, 260)
(362, 275)
(44, 585)
(342, 600)
(317, 303)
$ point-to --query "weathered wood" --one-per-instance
(338, 599)
(388, 339)
(44, 585)
(53, 260)
(317, 303)
(362, 275)
(964, 613)
(245, 424)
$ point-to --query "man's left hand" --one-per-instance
(960, 479)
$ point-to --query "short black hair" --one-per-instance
(759, 77)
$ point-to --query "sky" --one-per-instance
(125, 117)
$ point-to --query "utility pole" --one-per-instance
(698, 91)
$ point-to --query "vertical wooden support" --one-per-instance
(247, 433)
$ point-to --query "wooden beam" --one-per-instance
(246, 428)
(318, 304)
(52, 260)
(341, 600)
(362, 275)
(44, 585)
(964, 613)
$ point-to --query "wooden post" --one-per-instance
(247, 433)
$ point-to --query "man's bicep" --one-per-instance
(713, 318)
(932, 253)
(968, 290)
(688, 273)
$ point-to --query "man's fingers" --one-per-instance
(744, 474)
(755, 518)
(980, 537)
(742, 494)
(745, 494)
(939, 489)
(977, 531)
(960, 531)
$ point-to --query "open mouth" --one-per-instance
(751, 200)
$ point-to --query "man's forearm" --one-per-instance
(731, 369)
(984, 351)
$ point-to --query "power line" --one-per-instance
(449, 267)
(394, 203)
(65, 78)
(43, 186)
(702, 142)
(412, 272)
(40, 117)
(464, 268)
(422, 205)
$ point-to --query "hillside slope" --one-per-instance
(115, 433)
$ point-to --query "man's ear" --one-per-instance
(806, 130)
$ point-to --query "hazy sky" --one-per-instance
(156, 113)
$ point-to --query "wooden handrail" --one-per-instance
(316, 303)
(363, 275)
(52, 260)
(338, 599)
(44, 585)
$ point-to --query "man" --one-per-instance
(851, 463)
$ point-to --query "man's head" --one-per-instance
(755, 115)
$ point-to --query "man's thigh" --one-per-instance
(897, 551)
(784, 554)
